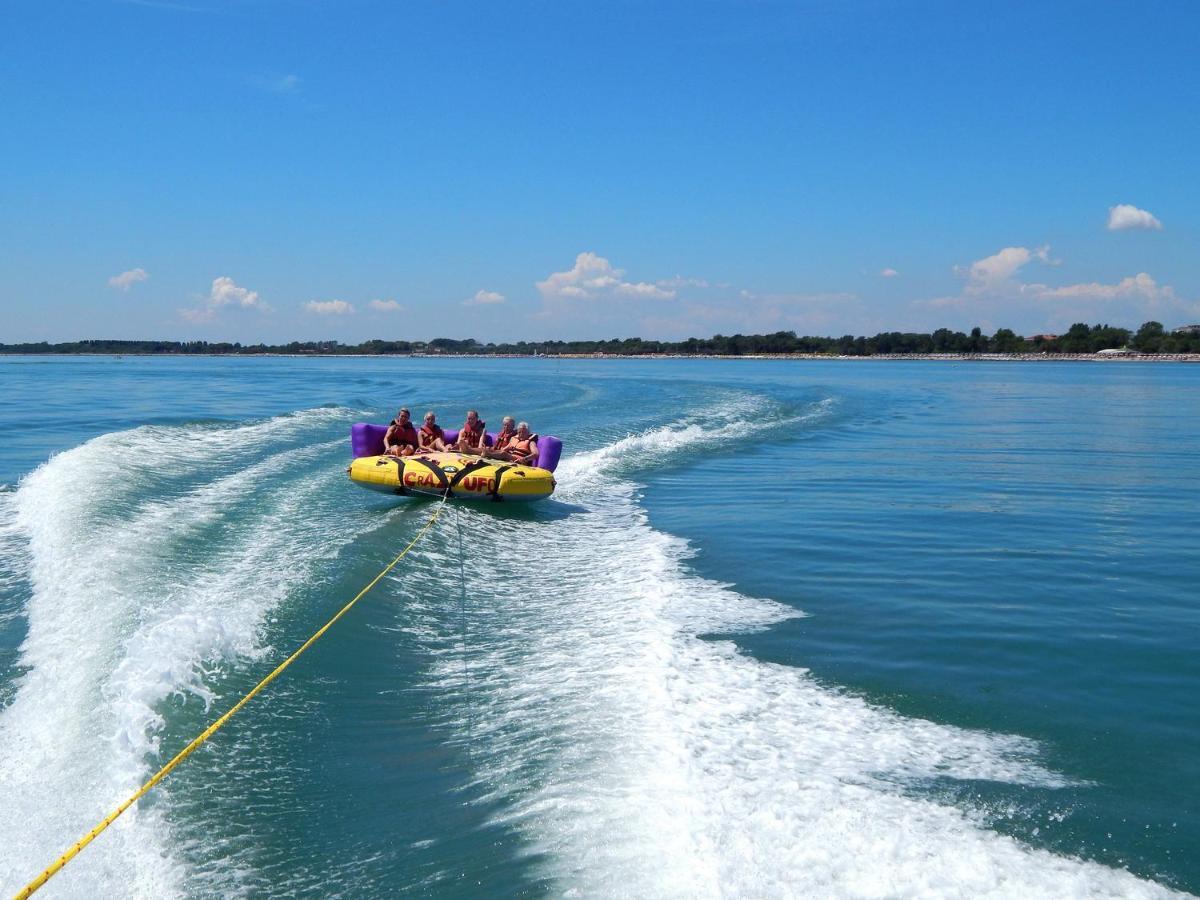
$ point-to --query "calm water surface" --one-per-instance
(786, 629)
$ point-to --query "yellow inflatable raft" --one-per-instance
(463, 477)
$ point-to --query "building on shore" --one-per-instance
(1186, 329)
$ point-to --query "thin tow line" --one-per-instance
(212, 729)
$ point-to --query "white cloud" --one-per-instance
(387, 305)
(682, 306)
(224, 293)
(644, 289)
(329, 307)
(126, 280)
(484, 298)
(994, 292)
(992, 272)
(993, 277)
(590, 273)
(594, 276)
(1124, 216)
(888, 273)
(1139, 285)
(679, 281)
(1130, 301)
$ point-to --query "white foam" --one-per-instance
(14, 559)
(581, 474)
(634, 756)
(122, 616)
(637, 757)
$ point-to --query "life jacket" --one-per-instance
(474, 438)
(518, 447)
(403, 435)
(434, 432)
(503, 438)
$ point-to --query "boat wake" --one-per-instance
(149, 571)
(630, 751)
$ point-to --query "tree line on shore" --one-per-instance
(1080, 338)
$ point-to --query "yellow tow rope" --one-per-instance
(212, 729)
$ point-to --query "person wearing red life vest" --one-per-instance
(470, 436)
(522, 449)
(508, 430)
(401, 437)
(431, 437)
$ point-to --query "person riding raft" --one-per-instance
(471, 435)
(431, 436)
(521, 448)
(401, 437)
(508, 428)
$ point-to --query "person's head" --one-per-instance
(430, 417)
(507, 422)
(403, 415)
(523, 430)
(472, 416)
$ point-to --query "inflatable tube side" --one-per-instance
(549, 451)
(366, 439)
(428, 473)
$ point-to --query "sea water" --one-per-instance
(786, 628)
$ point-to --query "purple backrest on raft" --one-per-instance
(367, 440)
(549, 450)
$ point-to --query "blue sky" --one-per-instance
(274, 171)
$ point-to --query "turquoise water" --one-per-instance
(786, 629)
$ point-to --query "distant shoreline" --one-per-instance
(830, 357)
(1081, 340)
